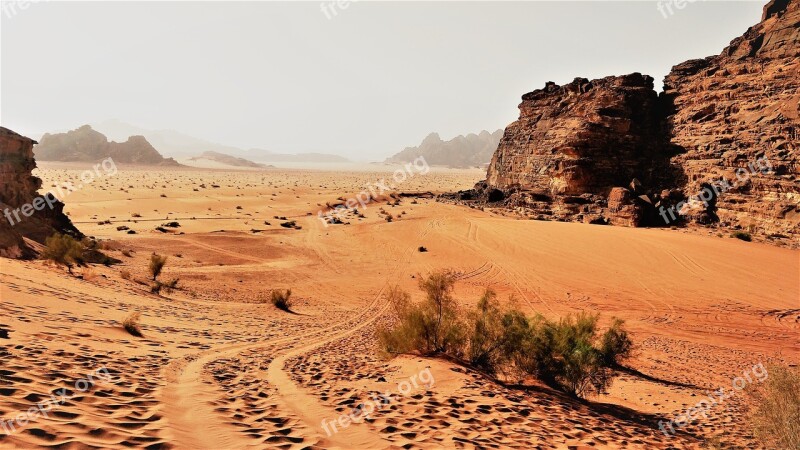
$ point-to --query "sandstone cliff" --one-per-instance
(18, 189)
(740, 106)
(462, 151)
(86, 144)
(612, 150)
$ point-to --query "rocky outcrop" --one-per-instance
(472, 150)
(25, 214)
(612, 150)
(86, 144)
(737, 118)
(572, 144)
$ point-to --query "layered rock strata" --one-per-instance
(718, 146)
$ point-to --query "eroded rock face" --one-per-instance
(583, 137)
(86, 144)
(574, 143)
(737, 118)
(18, 190)
(730, 122)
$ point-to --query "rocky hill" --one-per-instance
(86, 144)
(24, 213)
(462, 151)
(228, 160)
(718, 146)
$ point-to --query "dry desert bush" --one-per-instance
(281, 299)
(131, 324)
(157, 263)
(775, 416)
(569, 354)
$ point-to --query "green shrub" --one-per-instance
(157, 263)
(487, 341)
(568, 354)
(775, 417)
(615, 345)
(429, 327)
(563, 354)
(63, 250)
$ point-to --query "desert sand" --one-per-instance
(216, 369)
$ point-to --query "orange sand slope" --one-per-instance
(217, 369)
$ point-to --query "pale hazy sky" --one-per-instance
(377, 77)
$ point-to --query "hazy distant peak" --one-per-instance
(471, 150)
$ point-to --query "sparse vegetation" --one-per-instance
(63, 250)
(775, 417)
(131, 324)
(568, 354)
(157, 263)
(125, 274)
(281, 299)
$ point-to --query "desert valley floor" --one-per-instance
(216, 369)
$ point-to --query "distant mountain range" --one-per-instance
(228, 160)
(86, 144)
(179, 145)
(472, 150)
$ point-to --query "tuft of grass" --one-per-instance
(131, 324)
(742, 235)
(775, 417)
(125, 274)
(156, 265)
(281, 299)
